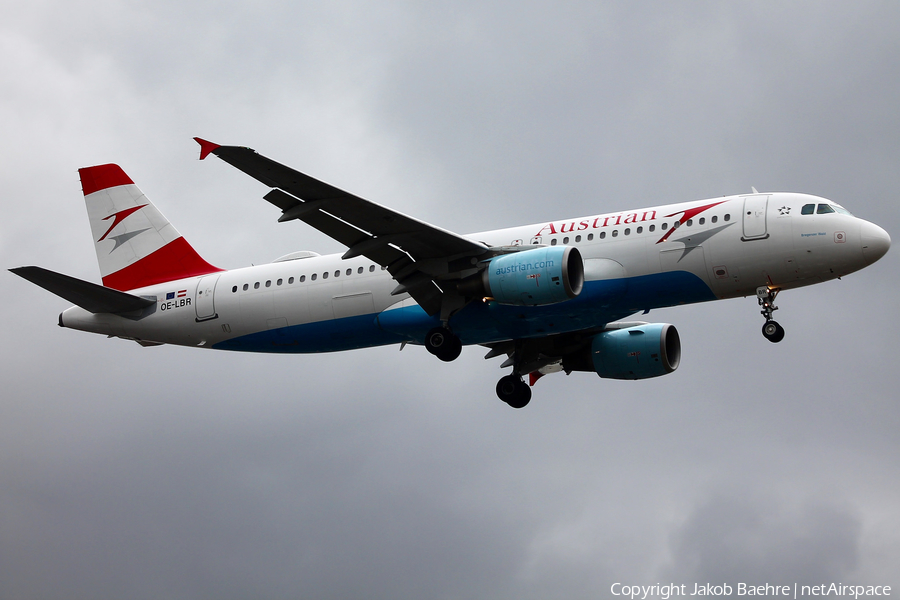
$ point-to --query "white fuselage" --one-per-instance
(634, 260)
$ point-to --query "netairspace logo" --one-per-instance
(671, 590)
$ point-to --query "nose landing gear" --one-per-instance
(771, 330)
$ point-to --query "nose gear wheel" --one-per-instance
(771, 330)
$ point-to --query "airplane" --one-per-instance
(550, 297)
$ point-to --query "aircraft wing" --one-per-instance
(415, 253)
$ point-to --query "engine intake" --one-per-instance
(530, 278)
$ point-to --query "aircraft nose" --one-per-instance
(875, 241)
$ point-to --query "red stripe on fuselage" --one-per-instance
(101, 177)
(175, 260)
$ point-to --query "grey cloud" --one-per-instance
(148, 472)
(740, 537)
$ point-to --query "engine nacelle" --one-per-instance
(638, 352)
(530, 278)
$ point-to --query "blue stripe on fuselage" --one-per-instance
(600, 302)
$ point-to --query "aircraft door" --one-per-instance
(204, 302)
(755, 218)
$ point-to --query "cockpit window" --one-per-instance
(824, 209)
(808, 209)
(841, 209)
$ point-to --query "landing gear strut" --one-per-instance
(443, 343)
(512, 390)
(772, 331)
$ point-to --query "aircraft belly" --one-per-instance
(360, 331)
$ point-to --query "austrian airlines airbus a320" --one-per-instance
(550, 297)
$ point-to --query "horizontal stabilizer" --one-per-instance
(89, 296)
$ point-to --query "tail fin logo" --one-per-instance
(119, 217)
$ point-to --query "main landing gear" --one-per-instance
(512, 390)
(443, 343)
(772, 331)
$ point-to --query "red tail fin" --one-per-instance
(136, 245)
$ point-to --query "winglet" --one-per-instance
(206, 147)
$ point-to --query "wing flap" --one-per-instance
(360, 243)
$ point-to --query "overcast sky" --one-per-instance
(129, 472)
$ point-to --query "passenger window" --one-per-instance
(627, 231)
(690, 222)
(590, 236)
(640, 230)
(290, 280)
(234, 289)
(302, 278)
(727, 217)
(824, 209)
(279, 282)
(615, 233)
(553, 242)
(359, 271)
(337, 273)
(715, 218)
(325, 275)
(256, 286)
(313, 277)
(246, 287)
(665, 226)
(371, 268)
(565, 240)
(808, 209)
(702, 221)
(269, 283)
(602, 235)
(577, 238)
(652, 228)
